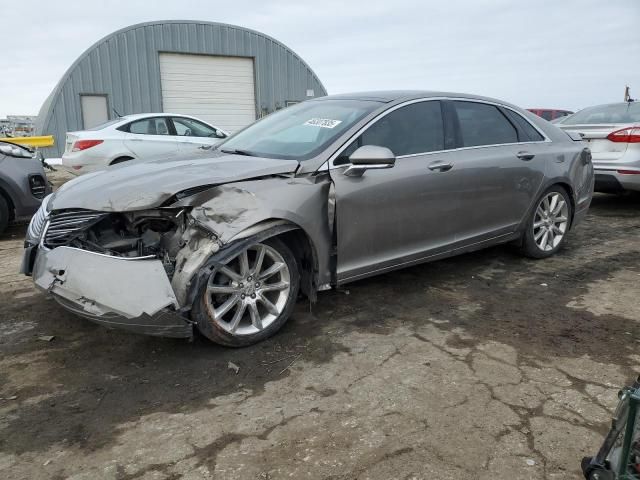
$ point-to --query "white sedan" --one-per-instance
(137, 137)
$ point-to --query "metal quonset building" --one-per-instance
(224, 74)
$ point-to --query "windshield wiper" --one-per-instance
(240, 152)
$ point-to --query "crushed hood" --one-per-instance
(146, 184)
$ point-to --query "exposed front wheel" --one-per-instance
(548, 224)
(250, 297)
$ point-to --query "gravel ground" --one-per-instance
(484, 366)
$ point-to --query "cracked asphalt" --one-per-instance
(484, 366)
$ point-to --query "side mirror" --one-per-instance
(369, 157)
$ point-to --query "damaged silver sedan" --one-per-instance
(317, 195)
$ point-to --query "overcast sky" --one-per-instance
(534, 53)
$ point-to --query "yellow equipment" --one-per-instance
(46, 141)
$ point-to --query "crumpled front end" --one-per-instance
(130, 294)
(114, 268)
(141, 270)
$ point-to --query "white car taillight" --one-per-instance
(84, 144)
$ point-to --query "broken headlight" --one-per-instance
(38, 221)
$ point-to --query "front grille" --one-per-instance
(65, 226)
(38, 186)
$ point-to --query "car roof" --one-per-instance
(609, 104)
(388, 96)
(136, 116)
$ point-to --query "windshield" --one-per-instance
(613, 113)
(301, 131)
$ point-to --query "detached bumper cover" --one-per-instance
(130, 294)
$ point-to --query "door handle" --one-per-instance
(440, 166)
(526, 156)
(135, 140)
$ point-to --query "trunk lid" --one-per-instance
(595, 135)
(70, 140)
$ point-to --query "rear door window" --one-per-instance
(416, 128)
(483, 124)
(191, 128)
(150, 126)
(527, 131)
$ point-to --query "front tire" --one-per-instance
(4, 214)
(250, 297)
(548, 224)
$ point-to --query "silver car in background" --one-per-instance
(612, 132)
(314, 196)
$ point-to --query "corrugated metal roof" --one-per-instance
(125, 66)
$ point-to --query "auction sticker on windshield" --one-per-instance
(322, 122)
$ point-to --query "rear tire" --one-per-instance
(4, 214)
(247, 300)
(548, 224)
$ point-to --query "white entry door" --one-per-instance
(94, 110)
(218, 90)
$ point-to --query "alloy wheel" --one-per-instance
(550, 221)
(250, 291)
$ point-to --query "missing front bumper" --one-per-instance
(129, 294)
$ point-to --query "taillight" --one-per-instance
(84, 144)
(626, 135)
(629, 172)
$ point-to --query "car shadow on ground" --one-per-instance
(96, 379)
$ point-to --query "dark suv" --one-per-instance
(23, 184)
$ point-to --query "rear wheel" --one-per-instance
(548, 224)
(250, 297)
(4, 214)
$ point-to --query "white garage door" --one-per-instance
(219, 90)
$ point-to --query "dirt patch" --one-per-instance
(469, 366)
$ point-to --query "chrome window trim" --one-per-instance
(347, 144)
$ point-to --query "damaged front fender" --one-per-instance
(199, 246)
(226, 216)
(200, 270)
